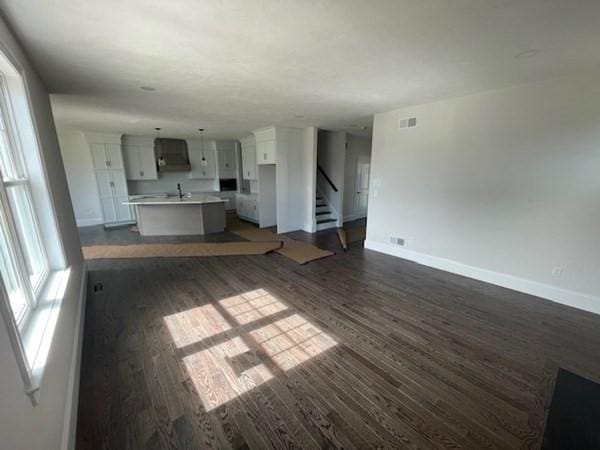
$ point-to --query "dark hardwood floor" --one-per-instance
(357, 350)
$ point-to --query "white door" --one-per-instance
(361, 196)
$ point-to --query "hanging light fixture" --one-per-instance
(204, 161)
(161, 159)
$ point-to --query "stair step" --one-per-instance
(320, 213)
(321, 203)
(325, 221)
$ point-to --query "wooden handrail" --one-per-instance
(320, 169)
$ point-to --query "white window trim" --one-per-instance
(32, 340)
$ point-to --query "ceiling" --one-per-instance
(232, 66)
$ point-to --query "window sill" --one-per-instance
(40, 328)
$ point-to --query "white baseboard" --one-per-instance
(575, 299)
(89, 222)
(71, 404)
(310, 227)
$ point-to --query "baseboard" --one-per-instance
(575, 299)
(351, 217)
(89, 222)
(310, 227)
(71, 404)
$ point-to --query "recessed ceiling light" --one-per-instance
(147, 88)
(527, 54)
(299, 116)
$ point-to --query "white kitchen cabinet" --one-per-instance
(247, 207)
(226, 161)
(139, 162)
(265, 152)
(200, 170)
(249, 169)
(231, 197)
(112, 189)
(110, 179)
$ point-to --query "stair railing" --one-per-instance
(320, 169)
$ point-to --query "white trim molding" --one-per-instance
(72, 401)
(575, 299)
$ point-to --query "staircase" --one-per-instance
(325, 217)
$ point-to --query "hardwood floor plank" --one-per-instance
(359, 350)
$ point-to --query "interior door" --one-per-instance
(361, 196)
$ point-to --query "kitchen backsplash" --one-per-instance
(167, 182)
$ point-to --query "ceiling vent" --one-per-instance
(408, 123)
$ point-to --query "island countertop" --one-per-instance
(175, 200)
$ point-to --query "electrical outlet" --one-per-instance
(397, 241)
(557, 271)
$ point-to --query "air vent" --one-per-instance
(396, 241)
(408, 123)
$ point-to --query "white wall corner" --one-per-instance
(574, 299)
(72, 400)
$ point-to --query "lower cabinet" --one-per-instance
(247, 207)
(231, 197)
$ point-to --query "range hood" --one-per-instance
(171, 155)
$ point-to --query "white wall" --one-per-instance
(331, 156)
(501, 185)
(357, 146)
(296, 158)
(23, 426)
(80, 176)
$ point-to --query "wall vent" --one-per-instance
(408, 123)
(396, 241)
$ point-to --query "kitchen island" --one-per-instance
(175, 216)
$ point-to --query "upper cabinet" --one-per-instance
(106, 156)
(138, 155)
(202, 160)
(249, 169)
(266, 146)
(226, 159)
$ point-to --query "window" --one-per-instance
(23, 260)
(33, 268)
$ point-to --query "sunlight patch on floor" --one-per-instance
(195, 324)
(235, 353)
(251, 306)
(292, 341)
(225, 371)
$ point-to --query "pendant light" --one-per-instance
(204, 161)
(161, 159)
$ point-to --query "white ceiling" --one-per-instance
(231, 66)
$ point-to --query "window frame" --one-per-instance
(8, 126)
